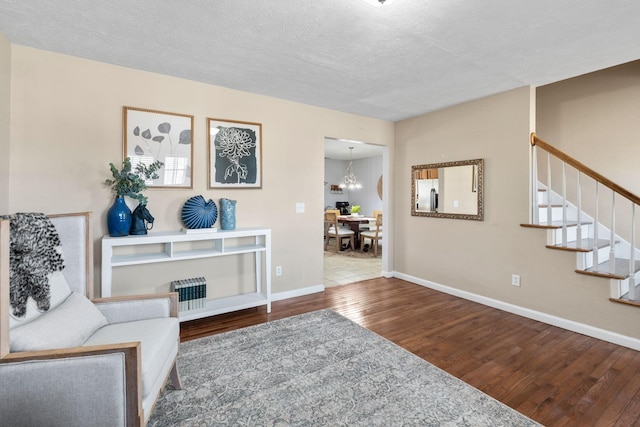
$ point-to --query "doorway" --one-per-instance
(368, 163)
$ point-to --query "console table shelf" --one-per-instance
(174, 246)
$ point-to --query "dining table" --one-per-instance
(354, 223)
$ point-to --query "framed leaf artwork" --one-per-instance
(235, 154)
(150, 135)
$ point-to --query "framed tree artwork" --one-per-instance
(235, 154)
(150, 135)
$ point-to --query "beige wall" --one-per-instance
(5, 117)
(66, 127)
(594, 118)
(479, 257)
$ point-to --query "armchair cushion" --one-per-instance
(157, 339)
(119, 311)
(68, 325)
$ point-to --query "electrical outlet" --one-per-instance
(515, 279)
(278, 270)
(299, 207)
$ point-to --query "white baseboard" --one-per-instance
(297, 293)
(549, 319)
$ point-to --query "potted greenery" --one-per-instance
(130, 183)
(355, 210)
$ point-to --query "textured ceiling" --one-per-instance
(394, 61)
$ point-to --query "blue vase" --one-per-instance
(227, 214)
(119, 218)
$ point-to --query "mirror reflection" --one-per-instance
(448, 190)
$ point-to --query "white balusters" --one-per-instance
(595, 232)
(564, 204)
(612, 238)
(535, 216)
(579, 219)
(549, 212)
(632, 255)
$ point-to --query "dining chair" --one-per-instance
(337, 212)
(371, 225)
(374, 235)
(332, 230)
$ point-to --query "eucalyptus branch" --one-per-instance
(130, 183)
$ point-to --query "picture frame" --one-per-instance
(235, 153)
(150, 135)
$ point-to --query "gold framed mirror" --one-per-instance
(448, 190)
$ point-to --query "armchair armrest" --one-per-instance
(138, 307)
(70, 377)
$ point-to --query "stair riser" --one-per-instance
(584, 260)
(556, 214)
(555, 235)
(542, 198)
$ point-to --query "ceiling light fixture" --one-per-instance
(377, 2)
(350, 180)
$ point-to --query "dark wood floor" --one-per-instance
(556, 377)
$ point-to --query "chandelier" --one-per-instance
(350, 180)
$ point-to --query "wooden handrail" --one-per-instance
(584, 169)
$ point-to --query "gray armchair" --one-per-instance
(83, 362)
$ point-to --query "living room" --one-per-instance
(61, 125)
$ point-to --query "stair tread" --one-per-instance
(585, 245)
(555, 224)
(619, 271)
(626, 300)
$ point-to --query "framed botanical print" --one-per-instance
(150, 135)
(235, 154)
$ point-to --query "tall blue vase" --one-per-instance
(227, 214)
(119, 218)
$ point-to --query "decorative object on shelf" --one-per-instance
(350, 180)
(355, 210)
(119, 218)
(141, 221)
(159, 136)
(235, 154)
(129, 183)
(335, 189)
(198, 213)
(227, 214)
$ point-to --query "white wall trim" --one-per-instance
(560, 322)
(297, 293)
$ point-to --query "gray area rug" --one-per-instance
(318, 369)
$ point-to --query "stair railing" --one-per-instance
(582, 169)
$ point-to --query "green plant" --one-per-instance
(355, 209)
(131, 183)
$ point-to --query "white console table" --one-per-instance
(222, 243)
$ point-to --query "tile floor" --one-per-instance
(341, 269)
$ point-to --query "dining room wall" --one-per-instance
(66, 127)
(368, 170)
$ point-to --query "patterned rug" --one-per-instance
(318, 369)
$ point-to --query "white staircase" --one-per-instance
(599, 250)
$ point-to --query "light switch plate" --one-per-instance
(299, 207)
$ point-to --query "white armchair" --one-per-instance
(83, 362)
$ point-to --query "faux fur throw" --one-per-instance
(33, 254)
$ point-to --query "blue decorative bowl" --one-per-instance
(196, 213)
